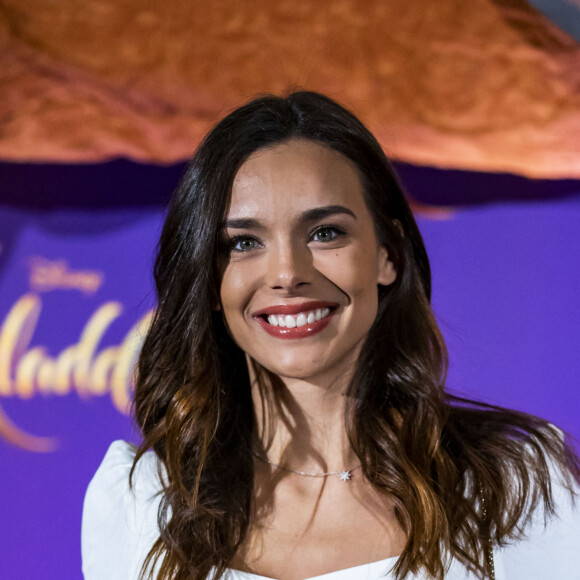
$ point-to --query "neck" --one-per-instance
(301, 425)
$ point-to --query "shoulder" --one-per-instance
(550, 546)
(523, 452)
(119, 521)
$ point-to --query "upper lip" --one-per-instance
(295, 308)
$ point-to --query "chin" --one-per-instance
(298, 371)
(292, 371)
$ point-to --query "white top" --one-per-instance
(120, 526)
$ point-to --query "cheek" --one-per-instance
(352, 271)
(234, 292)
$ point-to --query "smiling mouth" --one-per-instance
(295, 321)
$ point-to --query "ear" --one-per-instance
(386, 270)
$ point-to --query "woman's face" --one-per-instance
(299, 285)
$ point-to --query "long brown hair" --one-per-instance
(438, 456)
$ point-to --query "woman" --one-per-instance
(291, 387)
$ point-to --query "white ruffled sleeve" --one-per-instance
(120, 524)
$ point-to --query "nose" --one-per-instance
(289, 266)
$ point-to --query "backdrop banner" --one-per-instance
(76, 296)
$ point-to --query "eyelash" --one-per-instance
(338, 232)
(233, 242)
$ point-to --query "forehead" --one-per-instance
(295, 175)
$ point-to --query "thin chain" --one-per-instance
(344, 475)
(489, 547)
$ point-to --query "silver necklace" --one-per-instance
(344, 475)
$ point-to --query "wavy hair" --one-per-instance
(436, 455)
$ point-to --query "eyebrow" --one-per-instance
(310, 215)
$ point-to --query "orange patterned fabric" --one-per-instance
(486, 85)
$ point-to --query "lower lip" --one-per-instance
(297, 332)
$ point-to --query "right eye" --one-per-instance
(243, 244)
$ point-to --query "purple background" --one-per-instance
(506, 290)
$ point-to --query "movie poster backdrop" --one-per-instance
(76, 297)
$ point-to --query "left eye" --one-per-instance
(326, 234)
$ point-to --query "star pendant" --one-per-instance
(345, 476)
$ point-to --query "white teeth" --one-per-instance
(289, 321)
